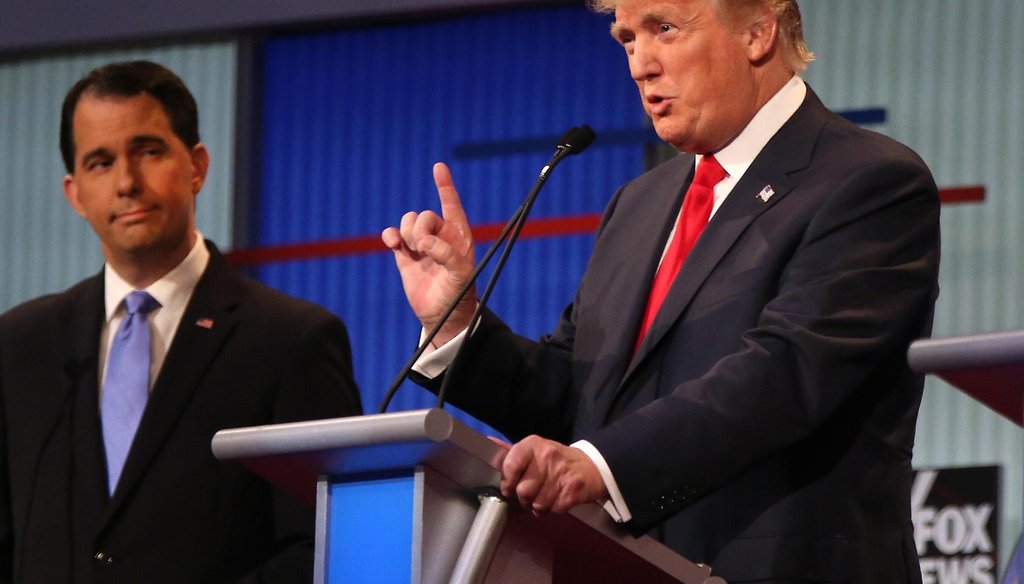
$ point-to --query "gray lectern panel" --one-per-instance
(294, 455)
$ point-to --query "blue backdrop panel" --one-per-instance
(354, 119)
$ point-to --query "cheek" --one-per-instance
(90, 197)
(97, 215)
(170, 185)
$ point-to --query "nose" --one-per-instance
(643, 60)
(128, 178)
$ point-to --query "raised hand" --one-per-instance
(435, 258)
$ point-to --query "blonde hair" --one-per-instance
(791, 27)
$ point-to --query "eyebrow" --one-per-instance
(147, 139)
(617, 30)
(646, 20)
(100, 152)
(135, 142)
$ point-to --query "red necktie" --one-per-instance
(697, 204)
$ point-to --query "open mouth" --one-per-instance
(658, 105)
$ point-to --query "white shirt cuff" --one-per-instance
(615, 505)
(434, 361)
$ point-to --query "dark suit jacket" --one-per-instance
(766, 423)
(178, 515)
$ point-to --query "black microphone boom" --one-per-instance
(574, 141)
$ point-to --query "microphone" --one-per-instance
(574, 141)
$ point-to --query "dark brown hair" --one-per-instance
(130, 79)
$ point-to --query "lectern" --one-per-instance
(412, 497)
(989, 367)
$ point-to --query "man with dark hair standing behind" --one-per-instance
(112, 390)
(731, 376)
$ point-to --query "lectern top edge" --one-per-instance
(433, 425)
(981, 350)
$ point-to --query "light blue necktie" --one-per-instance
(126, 388)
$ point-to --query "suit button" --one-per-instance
(103, 558)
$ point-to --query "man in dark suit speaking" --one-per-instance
(731, 375)
(112, 390)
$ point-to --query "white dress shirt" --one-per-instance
(736, 157)
(172, 291)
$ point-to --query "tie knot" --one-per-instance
(709, 172)
(140, 302)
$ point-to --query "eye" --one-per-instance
(97, 164)
(664, 27)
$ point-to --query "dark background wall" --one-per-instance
(34, 25)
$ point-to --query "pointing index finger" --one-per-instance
(451, 206)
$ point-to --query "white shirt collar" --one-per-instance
(738, 155)
(173, 289)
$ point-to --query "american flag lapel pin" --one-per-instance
(206, 323)
(766, 193)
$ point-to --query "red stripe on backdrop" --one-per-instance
(484, 233)
(372, 244)
(968, 194)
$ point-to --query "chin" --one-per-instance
(672, 139)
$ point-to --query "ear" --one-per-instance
(71, 194)
(200, 164)
(761, 36)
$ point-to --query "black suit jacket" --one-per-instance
(178, 515)
(766, 423)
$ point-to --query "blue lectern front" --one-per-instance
(411, 497)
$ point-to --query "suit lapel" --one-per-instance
(789, 151)
(205, 326)
(89, 498)
(647, 219)
(85, 323)
(78, 325)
